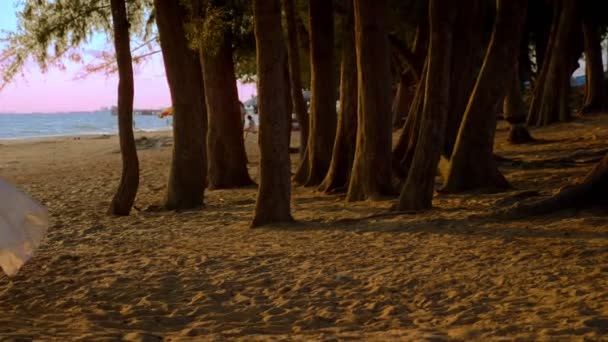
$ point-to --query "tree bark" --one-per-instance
(227, 160)
(403, 152)
(472, 165)
(323, 118)
(273, 203)
(543, 67)
(182, 66)
(288, 102)
(295, 74)
(551, 96)
(129, 181)
(514, 110)
(540, 22)
(467, 57)
(410, 78)
(371, 173)
(591, 191)
(417, 193)
(595, 87)
(403, 98)
(346, 137)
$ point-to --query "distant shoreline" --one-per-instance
(93, 135)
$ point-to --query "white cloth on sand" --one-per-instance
(23, 223)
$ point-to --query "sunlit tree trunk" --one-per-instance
(371, 173)
(274, 194)
(127, 190)
(417, 193)
(182, 66)
(472, 165)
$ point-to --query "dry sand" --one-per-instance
(204, 275)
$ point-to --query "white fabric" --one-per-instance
(23, 223)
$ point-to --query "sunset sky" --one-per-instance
(58, 90)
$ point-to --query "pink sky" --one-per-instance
(59, 91)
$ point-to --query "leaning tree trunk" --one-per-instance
(417, 193)
(129, 181)
(591, 191)
(596, 97)
(323, 118)
(346, 136)
(551, 98)
(295, 74)
(514, 110)
(467, 58)
(185, 78)
(472, 165)
(273, 202)
(227, 161)
(403, 98)
(543, 68)
(540, 22)
(403, 152)
(410, 79)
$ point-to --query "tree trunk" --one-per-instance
(182, 66)
(403, 152)
(129, 181)
(543, 67)
(591, 191)
(472, 165)
(466, 60)
(417, 193)
(346, 136)
(403, 98)
(227, 161)
(323, 118)
(295, 74)
(371, 173)
(410, 79)
(540, 21)
(595, 87)
(288, 102)
(273, 202)
(514, 110)
(551, 98)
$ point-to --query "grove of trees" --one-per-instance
(440, 72)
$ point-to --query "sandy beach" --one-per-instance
(453, 273)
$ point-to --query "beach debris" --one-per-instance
(23, 224)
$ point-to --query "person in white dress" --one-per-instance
(23, 224)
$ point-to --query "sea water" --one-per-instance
(38, 125)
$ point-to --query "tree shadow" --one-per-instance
(491, 225)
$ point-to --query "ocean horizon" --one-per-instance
(55, 124)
